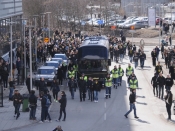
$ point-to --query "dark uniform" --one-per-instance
(154, 56)
(82, 87)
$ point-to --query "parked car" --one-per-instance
(126, 22)
(52, 63)
(59, 60)
(62, 56)
(46, 72)
(119, 22)
(137, 25)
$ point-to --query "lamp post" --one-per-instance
(11, 23)
(43, 14)
(48, 19)
(30, 53)
(35, 38)
(171, 25)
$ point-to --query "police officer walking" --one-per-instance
(115, 75)
(121, 73)
(108, 85)
(129, 70)
(133, 83)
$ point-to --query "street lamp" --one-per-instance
(48, 18)
(35, 38)
(43, 14)
(11, 23)
(30, 53)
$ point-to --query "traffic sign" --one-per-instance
(100, 22)
(132, 27)
(46, 40)
(113, 27)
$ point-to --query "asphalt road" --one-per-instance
(108, 114)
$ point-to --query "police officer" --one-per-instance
(108, 85)
(158, 69)
(129, 70)
(71, 73)
(115, 75)
(82, 83)
(75, 68)
(154, 84)
(133, 82)
(121, 73)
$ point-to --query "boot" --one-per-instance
(109, 96)
(106, 97)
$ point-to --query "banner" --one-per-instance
(151, 16)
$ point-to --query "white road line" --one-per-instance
(105, 117)
(105, 104)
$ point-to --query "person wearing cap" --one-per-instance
(115, 75)
(132, 99)
(129, 70)
(168, 82)
(168, 100)
(161, 83)
(154, 84)
(121, 73)
(82, 83)
(108, 85)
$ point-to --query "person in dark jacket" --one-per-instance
(33, 105)
(17, 100)
(116, 54)
(55, 89)
(60, 75)
(161, 83)
(82, 88)
(11, 88)
(18, 65)
(42, 85)
(136, 59)
(130, 54)
(90, 89)
(154, 84)
(158, 69)
(28, 83)
(142, 59)
(63, 102)
(153, 55)
(132, 99)
(169, 101)
(96, 88)
(5, 75)
(162, 51)
(168, 83)
(72, 86)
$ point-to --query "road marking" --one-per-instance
(105, 116)
(105, 104)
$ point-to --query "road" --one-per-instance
(108, 114)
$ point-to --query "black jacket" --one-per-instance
(59, 73)
(90, 85)
(158, 69)
(28, 82)
(82, 85)
(96, 86)
(33, 99)
(132, 97)
(63, 101)
(72, 84)
(55, 87)
(154, 81)
(17, 98)
(161, 81)
(169, 82)
(42, 86)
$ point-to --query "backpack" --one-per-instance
(47, 102)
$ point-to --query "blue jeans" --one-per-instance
(32, 112)
(120, 79)
(132, 106)
(121, 57)
(130, 58)
(115, 81)
(96, 95)
(136, 64)
(168, 88)
(108, 91)
(43, 113)
(17, 107)
(142, 63)
(72, 92)
(11, 92)
(47, 113)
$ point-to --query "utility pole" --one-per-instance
(48, 19)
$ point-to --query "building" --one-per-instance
(139, 7)
(10, 10)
